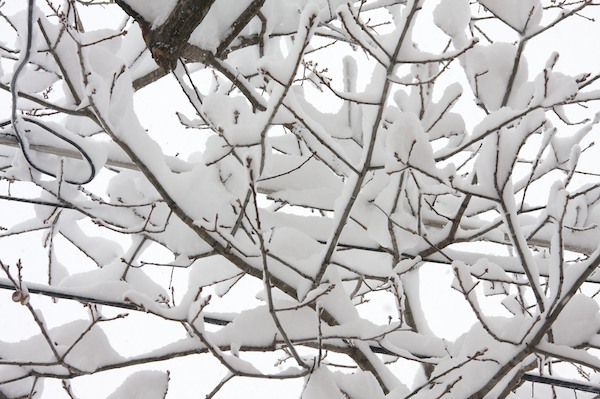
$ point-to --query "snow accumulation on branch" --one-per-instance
(323, 199)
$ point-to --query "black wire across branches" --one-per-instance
(48, 291)
(16, 121)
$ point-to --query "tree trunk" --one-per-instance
(168, 40)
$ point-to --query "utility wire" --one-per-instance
(65, 294)
(16, 121)
(561, 383)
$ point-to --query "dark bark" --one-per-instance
(167, 42)
(251, 11)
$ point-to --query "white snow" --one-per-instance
(320, 384)
(489, 68)
(522, 15)
(153, 11)
(148, 384)
(578, 322)
(65, 338)
(452, 16)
